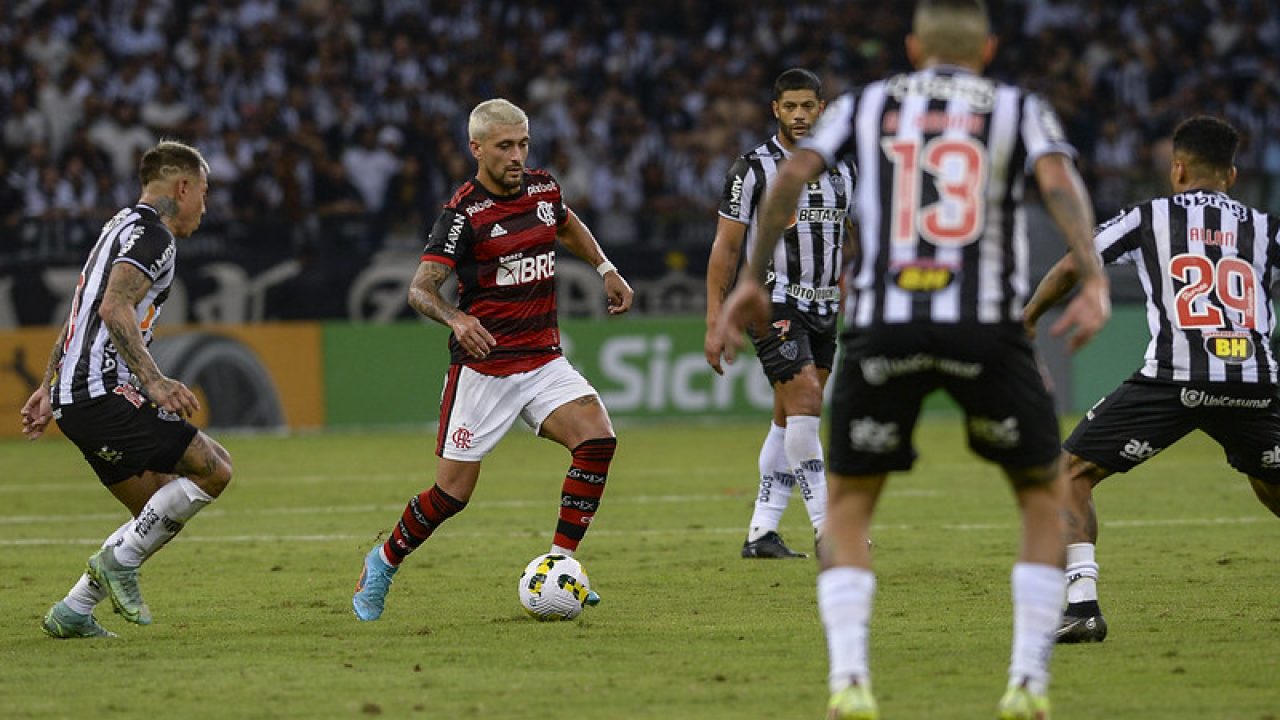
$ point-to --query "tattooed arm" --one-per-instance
(38, 411)
(126, 287)
(424, 296)
(1068, 203)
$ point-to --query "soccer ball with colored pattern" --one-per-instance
(554, 587)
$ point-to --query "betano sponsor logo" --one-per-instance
(518, 270)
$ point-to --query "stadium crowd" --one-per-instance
(308, 109)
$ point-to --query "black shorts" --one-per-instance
(990, 370)
(121, 434)
(794, 340)
(1139, 419)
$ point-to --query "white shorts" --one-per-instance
(477, 410)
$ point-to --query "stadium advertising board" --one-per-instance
(261, 377)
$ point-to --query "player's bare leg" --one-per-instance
(455, 482)
(1083, 620)
(1038, 588)
(161, 505)
(1268, 493)
(582, 426)
(846, 588)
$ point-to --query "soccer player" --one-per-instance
(498, 234)
(933, 300)
(103, 387)
(1206, 263)
(797, 347)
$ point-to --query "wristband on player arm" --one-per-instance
(605, 268)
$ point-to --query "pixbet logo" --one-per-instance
(474, 208)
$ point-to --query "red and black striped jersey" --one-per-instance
(503, 251)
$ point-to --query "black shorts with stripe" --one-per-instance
(1140, 418)
(121, 434)
(989, 370)
(793, 340)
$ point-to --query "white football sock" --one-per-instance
(776, 481)
(1082, 573)
(844, 602)
(161, 518)
(804, 452)
(86, 594)
(557, 550)
(1038, 592)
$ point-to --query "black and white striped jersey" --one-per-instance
(1206, 263)
(942, 157)
(806, 265)
(90, 367)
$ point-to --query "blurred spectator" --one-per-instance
(1115, 161)
(406, 206)
(123, 137)
(166, 112)
(11, 201)
(77, 189)
(46, 48)
(371, 163)
(62, 104)
(333, 192)
(638, 106)
(24, 124)
(41, 196)
(138, 35)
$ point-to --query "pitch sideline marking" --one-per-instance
(975, 527)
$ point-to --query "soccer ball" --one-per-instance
(554, 587)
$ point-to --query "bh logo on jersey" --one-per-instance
(1233, 348)
(518, 270)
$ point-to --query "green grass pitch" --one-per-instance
(253, 616)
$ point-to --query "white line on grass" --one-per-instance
(683, 531)
(86, 483)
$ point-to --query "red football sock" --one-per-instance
(583, 486)
(421, 517)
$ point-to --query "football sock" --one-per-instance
(804, 453)
(161, 518)
(1082, 573)
(422, 515)
(776, 481)
(583, 487)
(1038, 592)
(844, 602)
(86, 594)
